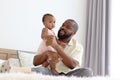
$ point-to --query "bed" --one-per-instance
(7, 53)
(14, 66)
(11, 60)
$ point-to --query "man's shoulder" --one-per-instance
(76, 43)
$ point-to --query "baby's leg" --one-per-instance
(53, 61)
(53, 66)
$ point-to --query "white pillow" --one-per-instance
(26, 58)
(14, 62)
(1, 62)
(8, 64)
(5, 66)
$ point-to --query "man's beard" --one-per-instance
(65, 36)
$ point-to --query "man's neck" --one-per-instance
(62, 43)
(66, 41)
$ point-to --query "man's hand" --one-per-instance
(51, 41)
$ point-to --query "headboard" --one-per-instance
(7, 53)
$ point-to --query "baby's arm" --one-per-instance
(44, 33)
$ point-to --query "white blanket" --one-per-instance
(35, 76)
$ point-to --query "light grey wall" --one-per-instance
(21, 25)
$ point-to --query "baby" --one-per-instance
(51, 58)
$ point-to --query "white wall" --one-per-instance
(21, 25)
(115, 38)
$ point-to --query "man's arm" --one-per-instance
(67, 60)
(39, 59)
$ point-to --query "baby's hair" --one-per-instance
(45, 15)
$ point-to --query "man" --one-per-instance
(69, 50)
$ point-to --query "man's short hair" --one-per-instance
(75, 24)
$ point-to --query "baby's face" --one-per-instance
(49, 22)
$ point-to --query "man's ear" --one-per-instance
(74, 33)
